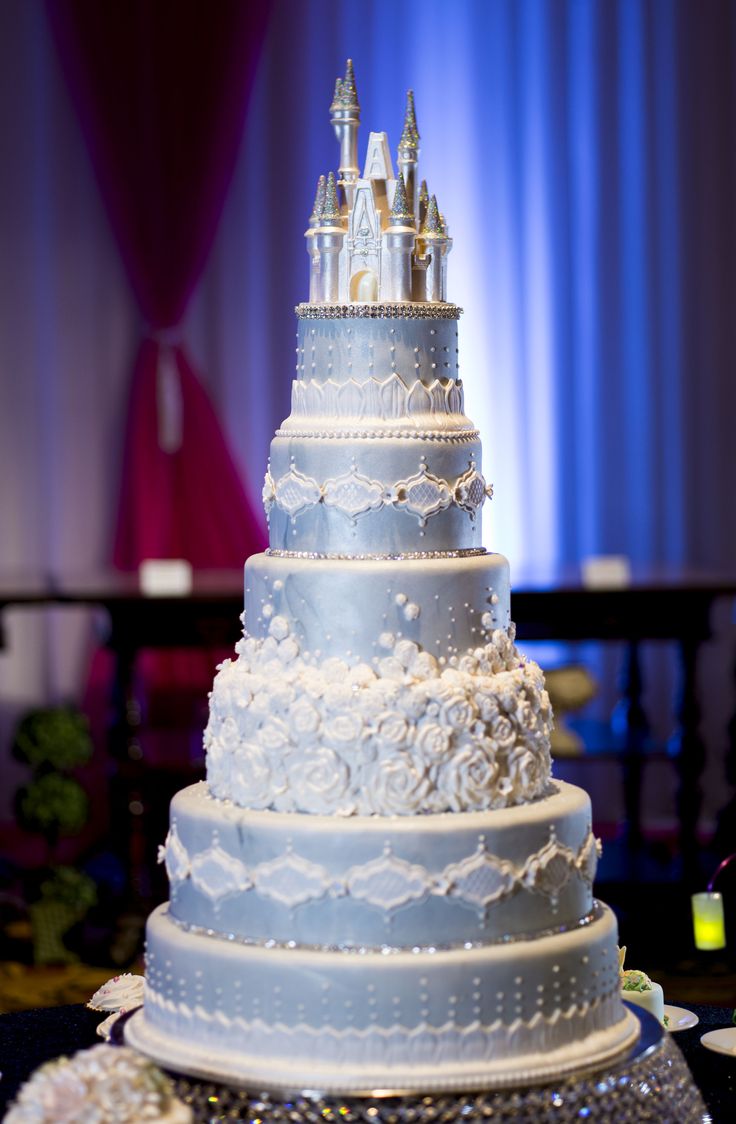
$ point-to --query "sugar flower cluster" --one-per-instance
(407, 735)
(102, 1085)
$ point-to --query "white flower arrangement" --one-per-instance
(102, 1085)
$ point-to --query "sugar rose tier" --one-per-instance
(379, 885)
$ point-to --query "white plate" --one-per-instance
(680, 1018)
(722, 1041)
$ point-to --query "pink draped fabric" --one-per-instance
(161, 91)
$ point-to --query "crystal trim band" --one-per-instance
(413, 555)
(399, 310)
(384, 949)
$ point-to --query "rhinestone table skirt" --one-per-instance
(650, 1083)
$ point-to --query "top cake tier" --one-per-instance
(377, 456)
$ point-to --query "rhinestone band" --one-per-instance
(385, 949)
(409, 556)
(385, 311)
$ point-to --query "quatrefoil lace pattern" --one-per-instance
(354, 494)
(385, 882)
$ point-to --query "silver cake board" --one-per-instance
(649, 1081)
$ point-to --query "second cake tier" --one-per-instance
(370, 882)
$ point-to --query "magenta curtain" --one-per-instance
(161, 89)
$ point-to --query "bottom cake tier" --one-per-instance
(303, 1018)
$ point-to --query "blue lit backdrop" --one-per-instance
(583, 153)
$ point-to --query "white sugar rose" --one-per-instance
(338, 695)
(249, 721)
(303, 719)
(406, 652)
(450, 680)
(458, 712)
(391, 668)
(312, 681)
(334, 670)
(393, 729)
(432, 741)
(413, 701)
(526, 718)
(250, 648)
(343, 728)
(261, 704)
(527, 772)
(219, 770)
(256, 777)
(467, 780)
(282, 695)
(397, 785)
(288, 650)
(424, 666)
(269, 647)
(273, 734)
(502, 731)
(320, 781)
(229, 735)
(231, 686)
(361, 675)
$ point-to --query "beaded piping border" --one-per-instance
(401, 310)
(452, 437)
(413, 555)
(386, 949)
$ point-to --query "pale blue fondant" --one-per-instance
(342, 608)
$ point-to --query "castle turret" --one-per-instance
(434, 246)
(345, 118)
(312, 250)
(398, 242)
(408, 153)
(423, 201)
(328, 239)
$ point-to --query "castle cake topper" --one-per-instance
(379, 236)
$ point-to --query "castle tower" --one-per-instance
(398, 242)
(423, 201)
(312, 250)
(328, 239)
(345, 118)
(434, 245)
(408, 154)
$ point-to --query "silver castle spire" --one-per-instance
(376, 236)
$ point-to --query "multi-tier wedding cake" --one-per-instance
(379, 885)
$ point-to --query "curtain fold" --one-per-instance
(161, 90)
(162, 104)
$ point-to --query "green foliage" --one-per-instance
(53, 805)
(70, 887)
(53, 737)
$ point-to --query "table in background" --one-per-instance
(658, 606)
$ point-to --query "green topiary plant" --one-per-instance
(53, 805)
(54, 741)
(66, 896)
(53, 737)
